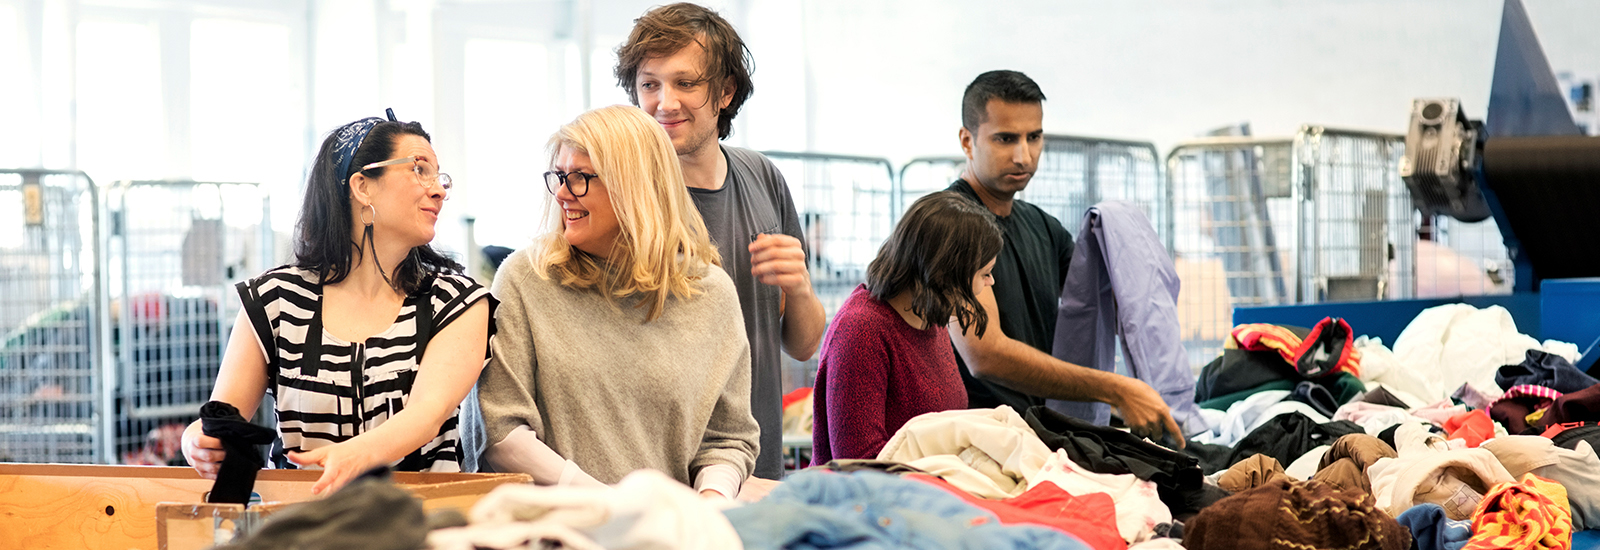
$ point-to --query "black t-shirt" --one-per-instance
(1028, 276)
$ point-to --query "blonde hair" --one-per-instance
(663, 246)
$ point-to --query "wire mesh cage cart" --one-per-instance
(1319, 217)
(175, 250)
(1076, 173)
(53, 341)
(844, 207)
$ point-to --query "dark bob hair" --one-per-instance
(664, 30)
(933, 253)
(323, 241)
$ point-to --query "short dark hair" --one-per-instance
(663, 31)
(933, 253)
(1007, 86)
(322, 241)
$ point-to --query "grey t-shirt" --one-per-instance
(753, 200)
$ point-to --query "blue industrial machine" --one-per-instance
(1528, 167)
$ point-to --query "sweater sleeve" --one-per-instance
(507, 387)
(732, 436)
(857, 381)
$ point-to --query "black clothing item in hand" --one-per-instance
(1288, 436)
(1106, 450)
(237, 476)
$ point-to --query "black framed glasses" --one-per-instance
(554, 179)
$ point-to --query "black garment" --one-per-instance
(1288, 436)
(1213, 458)
(1382, 396)
(1544, 369)
(1387, 435)
(1317, 396)
(1569, 438)
(1106, 450)
(1028, 275)
(1237, 370)
(368, 514)
(237, 476)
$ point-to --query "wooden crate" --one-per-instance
(116, 507)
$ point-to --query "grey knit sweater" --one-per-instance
(614, 393)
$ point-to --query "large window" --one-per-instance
(122, 124)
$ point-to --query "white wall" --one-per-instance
(861, 77)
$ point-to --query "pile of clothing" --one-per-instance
(1468, 434)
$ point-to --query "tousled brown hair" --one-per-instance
(933, 253)
(664, 30)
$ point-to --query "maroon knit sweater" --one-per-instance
(875, 373)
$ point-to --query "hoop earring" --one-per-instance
(373, 217)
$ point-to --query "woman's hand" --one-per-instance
(202, 451)
(340, 462)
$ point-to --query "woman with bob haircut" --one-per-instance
(368, 341)
(620, 345)
(887, 357)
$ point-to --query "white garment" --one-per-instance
(1306, 466)
(510, 536)
(1379, 366)
(1373, 418)
(1250, 413)
(995, 451)
(1418, 438)
(646, 510)
(1138, 504)
(1157, 544)
(1576, 469)
(1455, 343)
(1455, 479)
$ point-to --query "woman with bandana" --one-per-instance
(370, 339)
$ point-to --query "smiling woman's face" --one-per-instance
(406, 209)
(589, 223)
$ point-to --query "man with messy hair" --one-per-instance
(687, 67)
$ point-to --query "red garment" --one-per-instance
(1476, 427)
(874, 373)
(1328, 349)
(1092, 518)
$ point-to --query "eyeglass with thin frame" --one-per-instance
(426, 173)
(555, 178)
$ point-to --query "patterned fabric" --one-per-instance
(1530, 390)
(349, 387)
(1530, 513)
(1286, 514)
(1326, 350)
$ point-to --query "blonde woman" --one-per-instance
(620, 342)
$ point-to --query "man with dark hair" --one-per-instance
(688, 68)
(1002, 134)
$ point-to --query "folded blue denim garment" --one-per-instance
(870, 510)
(1432, 530)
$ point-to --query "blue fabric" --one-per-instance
(1119, 261)
(817, 509)
(1586, 539)
(349, 140)
(1431, 529)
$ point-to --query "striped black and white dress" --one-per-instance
(349, 388)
